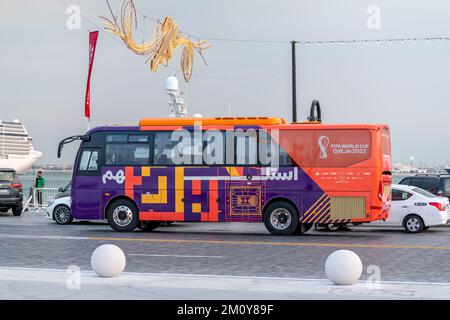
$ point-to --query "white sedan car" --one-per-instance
(59, 210)
(416, 209)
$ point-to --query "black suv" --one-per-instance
(11, 194)
(435, 183)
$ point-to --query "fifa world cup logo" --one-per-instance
(323, 142)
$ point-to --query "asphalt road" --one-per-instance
(226, 249)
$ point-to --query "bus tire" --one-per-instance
(281, 218)
(123, 215)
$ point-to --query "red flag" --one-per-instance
(92, 45)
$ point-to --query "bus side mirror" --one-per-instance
(61, 144)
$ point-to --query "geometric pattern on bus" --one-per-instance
(245, 200)
(216, 193)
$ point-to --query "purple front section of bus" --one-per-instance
(237, 199)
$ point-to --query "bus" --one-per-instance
(248, 169)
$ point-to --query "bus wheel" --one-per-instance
(281, 218)
(122, 215)
(303, 228)
(149, 225)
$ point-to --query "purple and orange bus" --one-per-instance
(250, 169)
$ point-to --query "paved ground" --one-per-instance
(226, 249)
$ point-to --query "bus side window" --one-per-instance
(266, 146)
(122, 149)
(89, 160)
(164, 148)
(246, 150)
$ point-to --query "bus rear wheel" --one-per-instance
(281, 218)
(123, 215)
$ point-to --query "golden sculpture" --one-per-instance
(159, 48)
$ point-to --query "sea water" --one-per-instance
(53, 179)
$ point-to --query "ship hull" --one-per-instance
(22, 164)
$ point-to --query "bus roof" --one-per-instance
(225, 122)
(249, 121)
(219, 121)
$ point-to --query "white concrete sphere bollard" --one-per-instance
(108, 261)
(343, 267)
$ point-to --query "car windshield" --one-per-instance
(424, 193)
(68, 187)
(7, 176)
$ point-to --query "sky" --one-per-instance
(43, 67)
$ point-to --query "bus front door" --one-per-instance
(86, 186)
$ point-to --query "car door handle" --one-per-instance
(405, 206)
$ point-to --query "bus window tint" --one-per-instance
(213, 147)
(268, 150)
(116, 138)
(85, 160)
(139, 138)
(164, 148)
(246, 150)
(127, 154)
(89, 161)
(385, 142)
(93, 162)
(125, 150)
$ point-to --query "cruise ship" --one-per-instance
(16, 147)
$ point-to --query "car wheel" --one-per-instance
(62, 214)
(281, 218)
(148, 225)
(123, 216)
(413, 224)
(17, 211)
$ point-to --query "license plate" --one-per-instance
(4, 191)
